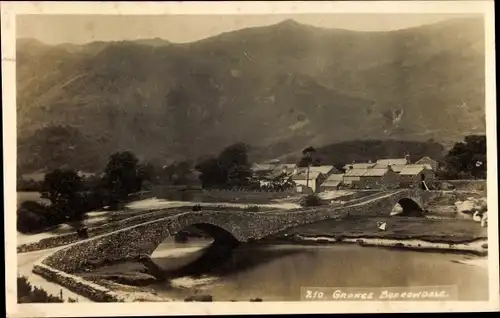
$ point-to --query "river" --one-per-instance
(277, 272)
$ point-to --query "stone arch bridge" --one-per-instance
(224, 226)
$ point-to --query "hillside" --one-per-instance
(278, 88)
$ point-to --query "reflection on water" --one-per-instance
(277, 272)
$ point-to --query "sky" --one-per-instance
(78, 29)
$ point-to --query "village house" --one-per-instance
(352, 177)
(270, 171)
(333, 182)
(361, 165)
(429, 161)
(412, 176)
(379, 178)
(302, 182)
(398, 162)
(325, 170)
(371, 178)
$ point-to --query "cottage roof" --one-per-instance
(390, 162)
(323, 169)
(303, 176)
(262, 167)
(370, 172)
(425, 159)
(334, 180)
(335, 177)
(355, 172)
(373, 172)
(361, 165)
(395, 168)
(331, 183)
(411, 170)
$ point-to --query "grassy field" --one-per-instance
(398, 227)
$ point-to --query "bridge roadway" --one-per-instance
(226, 227)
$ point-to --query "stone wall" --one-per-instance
(468, 185)
(216, 195)
(133, 241)
(65, 239)
(77, 284)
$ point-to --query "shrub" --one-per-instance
(29, 294)
(312, 200)
(31, 216)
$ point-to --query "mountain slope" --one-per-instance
(288, 84)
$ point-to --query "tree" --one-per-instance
(148, 172)
(234, 155)
(307, 160)
(231, 167)
(234, 163)
(467, 159)
(121, 175)
(307, 157)
(61, 187)
(181, 172)
(212, 173)
(238, 175)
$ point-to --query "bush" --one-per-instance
(35, 217)
(31, 217)
(312, 200)
(29, 294)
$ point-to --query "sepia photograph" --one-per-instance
(330, 157)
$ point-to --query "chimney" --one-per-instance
(369, 161)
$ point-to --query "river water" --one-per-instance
(277, 272)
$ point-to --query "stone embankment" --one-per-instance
(76, 284)
(477, 247)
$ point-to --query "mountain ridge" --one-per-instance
(285, 84)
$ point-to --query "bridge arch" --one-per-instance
(218, 233)
(409, 207)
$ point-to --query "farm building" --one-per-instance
(352, 177)
(413, 175)
(383, 163)
(288, 168)
(325, 170)
(371, 178)
(333, 182)
(301, 180)
(271, 171)
(361, 165)
(429, 161)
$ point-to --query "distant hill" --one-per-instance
(279, 88)
(366, 150)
